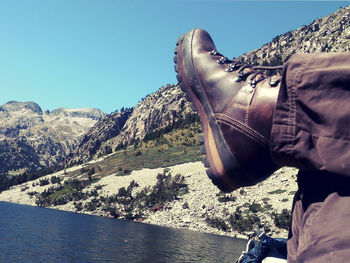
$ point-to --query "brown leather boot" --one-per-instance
(236, 106)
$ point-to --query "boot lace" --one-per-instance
(244, 71)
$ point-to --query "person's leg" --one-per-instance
(307, 128)
(310, 128)
(310, 131)
(320, 220)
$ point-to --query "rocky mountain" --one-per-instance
(104, 130)
(33, 139)
(327, 34)
(155, 111)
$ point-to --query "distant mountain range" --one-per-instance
(31, 139)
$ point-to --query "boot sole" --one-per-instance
(219, 159)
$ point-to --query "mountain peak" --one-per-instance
(91, 113)
(19, 106)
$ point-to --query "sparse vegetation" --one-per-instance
(165, 150)
(265, 200)
(282, 219)
(243, 221)
(240, 221)
(217, 222)
(24, 188)
(185, 206)
(255, 207)
(167, 189)
(70, 191)
(180, 124)
(55, 180)
(44, 182)
(32, 193)
(225, 197)
(277, 192)
(128, 203)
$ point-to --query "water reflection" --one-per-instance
(32, 234)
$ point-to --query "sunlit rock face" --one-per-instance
(155, 111)
(327, 34)
(31, 139)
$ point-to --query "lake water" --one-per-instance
(34, 234)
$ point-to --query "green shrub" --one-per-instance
(278, 191)
(60, 200)
(185, 205)
(243, 222)
(55, 180)
(107, 150)
(98, 187)
(265, 200)
(255, 207)
(93, 192)
(267, 207)
(24, 188)
(43, 182)
(76, 184)
(70, 191)
(166, 189)
(78, 206)
(127, 171)
(224, 197)
(122, 192)
(32, 193)
(92, 205)
(282, 220)
(91, 171)
(217, 222)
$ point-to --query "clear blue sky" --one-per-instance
(109, 53)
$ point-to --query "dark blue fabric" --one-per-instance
(272, 247)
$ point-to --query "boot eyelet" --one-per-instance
(231, 67)
(252, 83)
(237, 79)
(248, 89)
(274, 80)
(222, 60)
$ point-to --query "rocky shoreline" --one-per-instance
(192, 210)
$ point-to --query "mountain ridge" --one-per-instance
(32, 139)
(157, 110)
